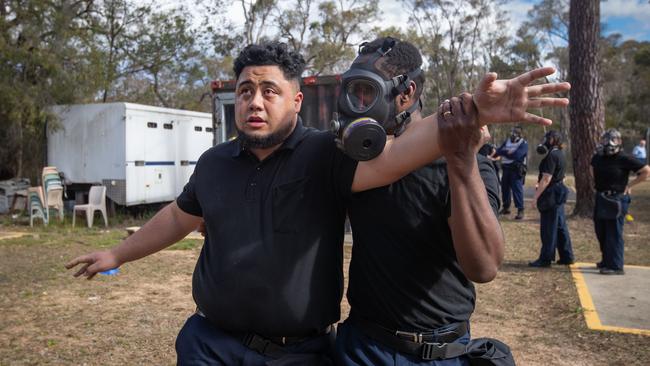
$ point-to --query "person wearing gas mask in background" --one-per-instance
(268, 281)
(611, 168)
(550, 197)
(513, 152)
(418, 243)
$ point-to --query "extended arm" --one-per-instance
(642, 175)
(168, 226)
(476, 233)
(498, 101)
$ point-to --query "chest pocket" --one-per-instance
(288, 205)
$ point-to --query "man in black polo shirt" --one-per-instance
(268, 281)
(611, 167)
(421, 241)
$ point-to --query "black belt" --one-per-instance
(426, 345)
(610, 193)
(270, 346)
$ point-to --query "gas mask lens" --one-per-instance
(361, 95)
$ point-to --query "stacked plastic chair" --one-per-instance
(53, 190)
(37, 205)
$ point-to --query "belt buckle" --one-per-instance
(431, 351)
(415, 337)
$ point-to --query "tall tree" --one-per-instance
(458, 40)
(586, 109)
(257, 16)
(115, 28)
(165, 54)
(331, 48)
(43, 61)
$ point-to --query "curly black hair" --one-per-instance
(291, 63)
(403, 58)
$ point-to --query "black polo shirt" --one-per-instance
(404, 274)
(272, 258)
(553, 164)
(611, 173)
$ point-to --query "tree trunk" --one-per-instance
(19, 150)
(586, 109)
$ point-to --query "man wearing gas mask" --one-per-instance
(611, 168)
(513, 152)
(550, 197)
(421, 241)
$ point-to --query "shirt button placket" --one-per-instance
(251, 188)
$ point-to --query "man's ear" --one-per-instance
(297, 99)
(409, 94)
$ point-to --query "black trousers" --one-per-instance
(201, 343)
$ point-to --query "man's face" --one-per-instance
(642, 143)
(266, 106)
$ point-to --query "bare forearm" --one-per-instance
(542, 185)
(167, 227)
(642, 176)
(477, 236)
(416, 147)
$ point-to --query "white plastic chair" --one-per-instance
(96, 201)
(53, 190)
(36, 207)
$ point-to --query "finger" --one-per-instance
(547, 102)
(81, 271)
(537, 90)
(455, 106)
(487, 80)
(528, 77)
(441, 110)
(532, 118)
(467, 103)
(94, 268)
(90, 276)
(80, 259)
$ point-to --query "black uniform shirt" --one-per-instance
(404, 274)
(553, 164)
(272, 258)
(611, 173)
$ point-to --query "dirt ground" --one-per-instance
(50, 318)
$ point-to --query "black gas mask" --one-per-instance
(367, 111)
(610, 143)
(515, 134)
(551, 138)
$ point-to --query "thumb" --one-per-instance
(487, 80)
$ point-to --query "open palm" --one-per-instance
(503, 101)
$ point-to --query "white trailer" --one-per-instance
(142, 154)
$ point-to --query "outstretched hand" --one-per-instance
(504, 101)
(94, 263)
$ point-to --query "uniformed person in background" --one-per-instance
(611, 168)
(514, 154)
(550, 197)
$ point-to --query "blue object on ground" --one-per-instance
(111, 272)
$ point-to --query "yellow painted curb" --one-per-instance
(587, 303)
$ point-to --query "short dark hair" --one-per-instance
(291, 63)
(403, 58)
